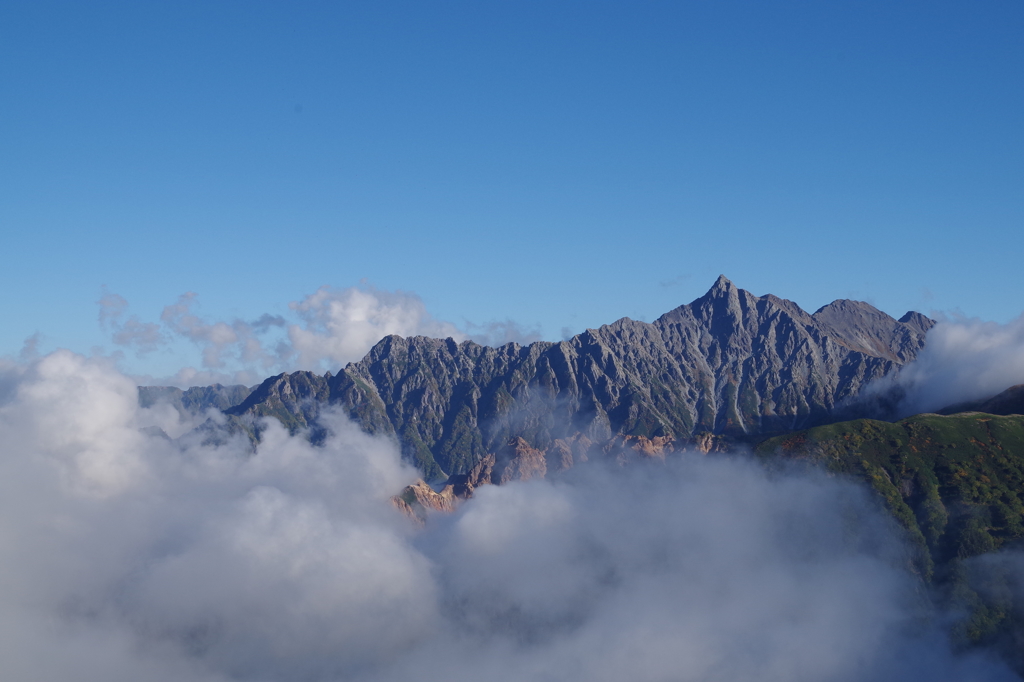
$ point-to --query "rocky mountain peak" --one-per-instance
(723, 291)
(723, 306)
(722, 287)
(917, 321)
(730, 363)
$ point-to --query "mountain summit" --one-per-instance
(728, 363)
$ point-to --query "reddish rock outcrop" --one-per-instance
(419, 499)
(518, 461)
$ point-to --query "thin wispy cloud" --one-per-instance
(500, 332)
(675, 281)
(128, 330)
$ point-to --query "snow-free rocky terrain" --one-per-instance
(728, 364)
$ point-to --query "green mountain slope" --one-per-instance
(955, 482)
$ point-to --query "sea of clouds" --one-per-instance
(129, 555)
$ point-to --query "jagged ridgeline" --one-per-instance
(728, 363)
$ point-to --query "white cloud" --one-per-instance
(216, 339)
(963, 359)
(71, 413)
(340, 325)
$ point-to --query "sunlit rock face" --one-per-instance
(729, 363)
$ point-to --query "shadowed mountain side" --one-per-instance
(729, 363)
(1010, 401)
(194, 400)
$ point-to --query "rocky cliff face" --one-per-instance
(729, 363)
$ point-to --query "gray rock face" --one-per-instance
(728, 363)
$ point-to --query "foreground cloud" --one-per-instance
(129, 556)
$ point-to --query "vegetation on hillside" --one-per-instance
(956, 484)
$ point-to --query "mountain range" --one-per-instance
(729, 365)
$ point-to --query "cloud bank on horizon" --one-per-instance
(329, 328)
(131, 556)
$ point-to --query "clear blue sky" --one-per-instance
(562, 164)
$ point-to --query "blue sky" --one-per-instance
(554, 163)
